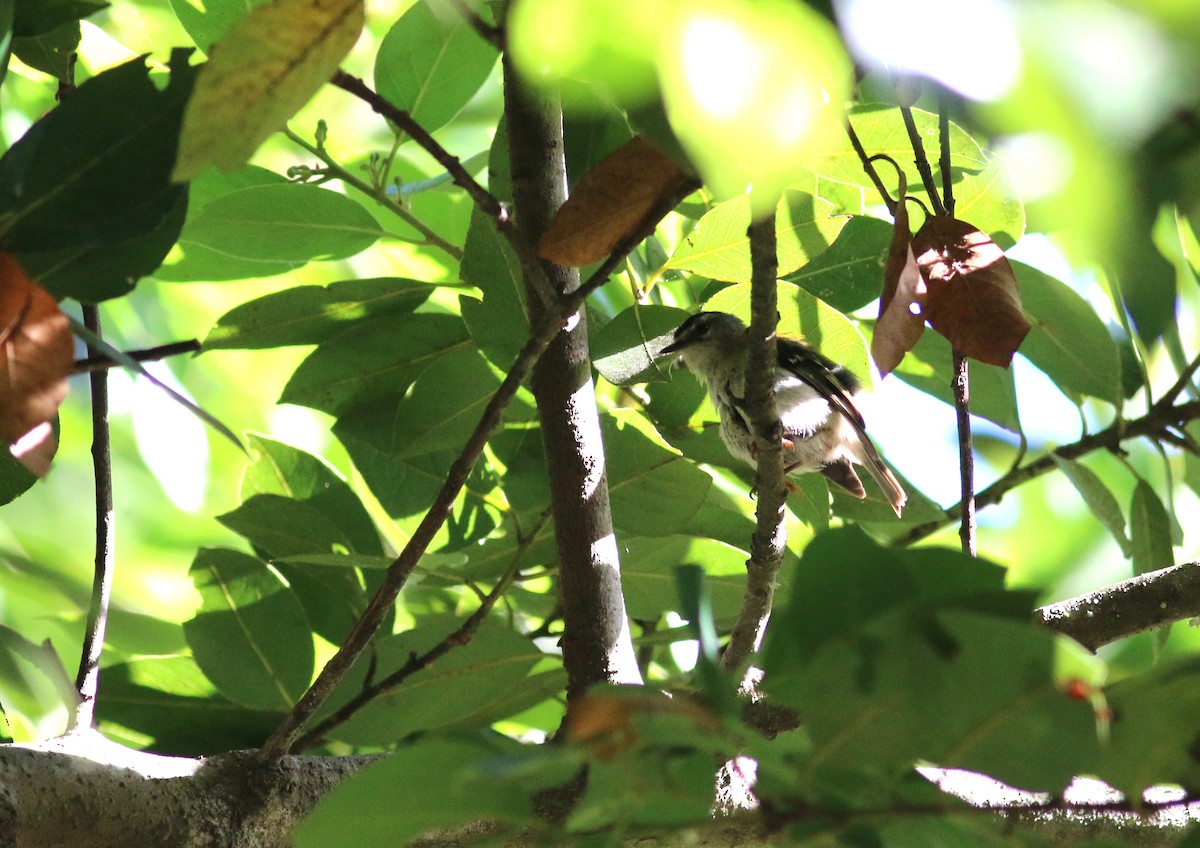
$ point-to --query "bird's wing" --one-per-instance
(829, 379)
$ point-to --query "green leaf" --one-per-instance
(881, 130)
(49, 52)
(430, 418)
(1068, 341)
(1098, 498)
(1149, 530)
(281, 526)
(169, 700)
(313, 314)
(395, 800)
(299, 509)
(718, 246)
(929, 365)
(15, 478)
(899, 656)
(654, 491)
(280, 469)
(190, 261)
(431, 63)
(250, 636)
(373, 358)
(624, 349)
(461, 683)
(991, 201)
(498, 323)
(94, 171)
(648, 574)
(36, 693)
(206, 23)
(291, 223)
(1153, 728)
(42, 17)
(92, 273)
(271, 62)
(848, 275)
(405, 487)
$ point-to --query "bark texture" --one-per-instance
(596, 642)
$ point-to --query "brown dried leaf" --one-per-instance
(902, 321)
(902, 301)
(973, 299)
(36, 357)
(611, 200)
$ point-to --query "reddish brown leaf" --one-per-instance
(611, 200)
(973, 298)
(901, 303)
(36, 356)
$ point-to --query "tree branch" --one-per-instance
(87, 679)
(1123, 609)
(1153, 425)
(770, 536)
(597, 645)
(961, 381)
(922, 161)
(460, 637)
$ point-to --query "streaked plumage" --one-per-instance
(823, 429)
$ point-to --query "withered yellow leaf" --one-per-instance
(612, 199)
(266, 67)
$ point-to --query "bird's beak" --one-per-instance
(672, 348)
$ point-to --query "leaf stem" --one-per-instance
(337, 171)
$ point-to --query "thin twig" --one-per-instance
(869, 166)
(1151, 425)
(487, 202)
(283, 739)
(151, 354)
(961, 386)
(944, 155)
(337, 171)
(87, 680)
(493, 35)
(921, 160)
(460, 637)
(770, 536)
(1185, 380)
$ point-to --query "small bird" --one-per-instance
(822, 428)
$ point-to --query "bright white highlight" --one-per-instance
(171, 439)
(979, 57)
(721, 88)
(1041, 163)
